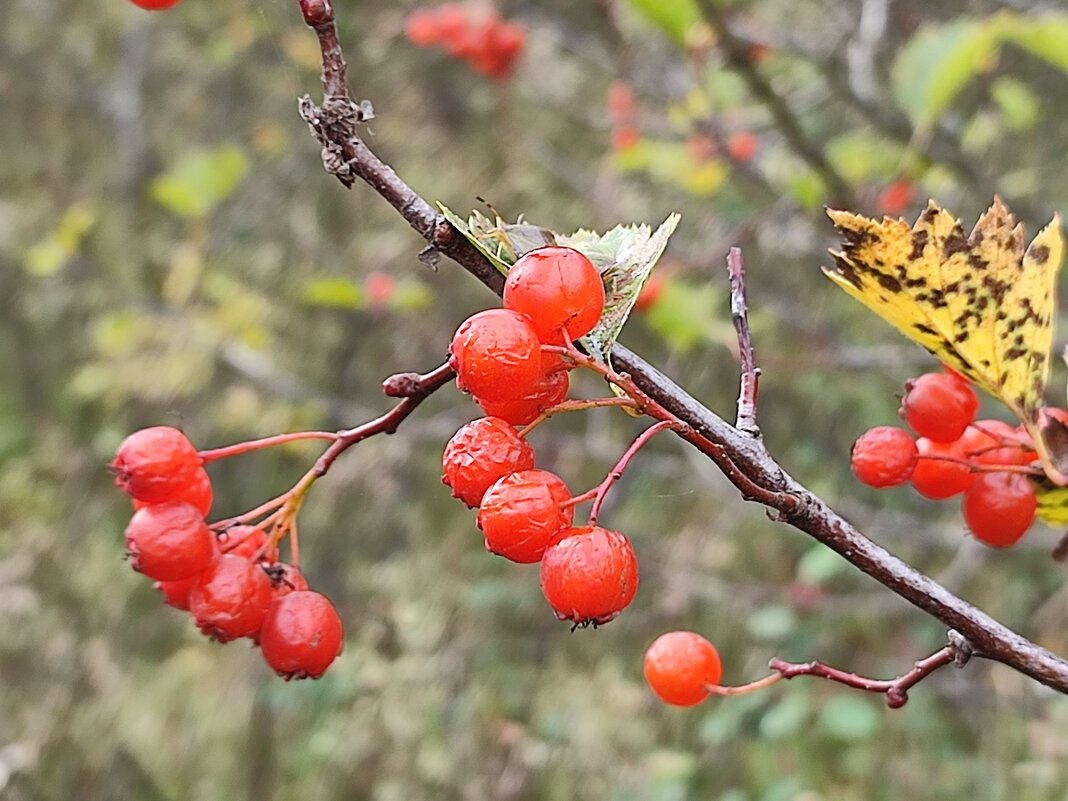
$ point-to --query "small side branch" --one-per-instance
(747, 393)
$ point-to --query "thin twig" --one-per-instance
(750, 379)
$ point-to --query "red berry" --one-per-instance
(302, 635)
(999, 508)
(896, 198)
(286, 579)
(939, 406)
(231, 598)
(155, 5)
(680, 666)
(620, 102)
(247, 541)
(421, 28)
(496, 355)
(551, 390)
(520, 514)
(169, 541)
(650, 294)
(481, 452)
(743, 146)
(558, 289)
(884, 457)
(936, 478)
(176, 593)
(995, 442)
(197, 493)
(624, 138)
(454, 28)
(380, 287)
(589, 575)
(155, 464)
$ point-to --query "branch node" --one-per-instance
(963, 650)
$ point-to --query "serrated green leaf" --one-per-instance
(200, 180)
(485, 235)
(939, 61)
(625, 255)
(334, 293)
(674, 17)
(847, 717)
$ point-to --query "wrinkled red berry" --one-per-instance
(884, 457)
(155, 464)
(169, 541)
(176, 593)
(481, 452)
(496, 355)
(302, 635)
(197, 493)
(558, 289)
(551, 390)
(231, 598)
(589, 574)
(520, 514)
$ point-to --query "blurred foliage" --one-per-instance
(172, 252)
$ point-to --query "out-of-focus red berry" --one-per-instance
(624, 138)
(421, 28)
(743, 146)
(620, 102)
(896, 198)
(379, 288)
(155, 5)
(650, 293)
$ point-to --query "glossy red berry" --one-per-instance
(155, 5)
(176, 593)
(999, 508)
(155, 464)
(520, 514)
(302, 635)
(169, 541)
(197, 493)
(551, 390)
(941, 475)
(481, 452)
(496, 355)
(558, 289)
(231, 598)
(884, 457)
(680, 666)
(589, 574)
(939, 406)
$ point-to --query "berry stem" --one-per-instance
(267, 442)
(750, 378)
(745, 689)
(896, 690)
(616, 472)
(575, 406)
(1023, 470)
(252, 514)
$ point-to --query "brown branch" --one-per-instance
(736, 51)
(750, 383)
(742, 458)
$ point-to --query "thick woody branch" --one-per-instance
(742, 457)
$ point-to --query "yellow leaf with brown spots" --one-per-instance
(981, 303)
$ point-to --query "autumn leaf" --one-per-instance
(981, 303)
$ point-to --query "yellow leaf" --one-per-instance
(980, 303)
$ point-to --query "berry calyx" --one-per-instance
(939, 472)
(999, 508)
(939, 406)
(520, 514)
(169, 541)
(231, 598)
(481, 452)
(301, 635)
(155, 464)
(496, 355)
(680, 666)
(551, 390)
(589, 575)
(558, 289)
(884, 457)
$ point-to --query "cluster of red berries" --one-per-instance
(490, 44)
(231, 582)
(986, 461)
(588, 573)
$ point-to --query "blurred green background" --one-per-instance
(172, 252)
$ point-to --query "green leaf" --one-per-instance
(688, 314)
(819, 565)
(335, 293)
(674, 17)
(625, 255)
(200, 180)
(850, 718)
(52, 253)
(486, 235)
(939, 61)
(1045, 36)
(860, 155)
(1018, 105)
